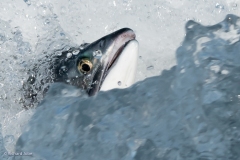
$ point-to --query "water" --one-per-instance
(75, 52)
(69, 55)
(177, 115)
(97, 54)
(32, 32)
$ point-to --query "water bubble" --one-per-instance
(95, 82)
(75, 52)
(64, 68)
(59, 53)
(82, 46)
(44, 10)
(119, 83)
(67, 48)
(27, 2)
(2, 38)
(224, 72)
(47, 21)
(182, 70)
(97, 54)
(62, 34)
(69, 55)
(219, 6)
(55, 16)
(31, 79)
(150, 67)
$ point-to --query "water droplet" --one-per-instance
(182, 70)
(97, 54)
(64, 68)
(219, 6)
(27, 2)
(59, 53)
(47, 21)
(150, 67)
(43, 10)
(75, 52)
(83, 45)
(62, 34)
(66, 48)
(95, 82)
(31, 79)
(119, 83)
(55, 16)
(69, 55)
(224, 72)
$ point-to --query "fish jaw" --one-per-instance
(122, 73)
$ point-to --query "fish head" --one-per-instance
(94, 63)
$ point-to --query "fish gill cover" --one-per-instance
(188, 112)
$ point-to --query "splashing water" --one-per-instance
(188, 112)
(33, 32)
(75, 52)
(24, 74)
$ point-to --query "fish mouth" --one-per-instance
(121, 73)
(112, 47)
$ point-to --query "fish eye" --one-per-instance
(85, 66)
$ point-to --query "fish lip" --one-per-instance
(125, 35)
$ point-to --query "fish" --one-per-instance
(107, 63)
